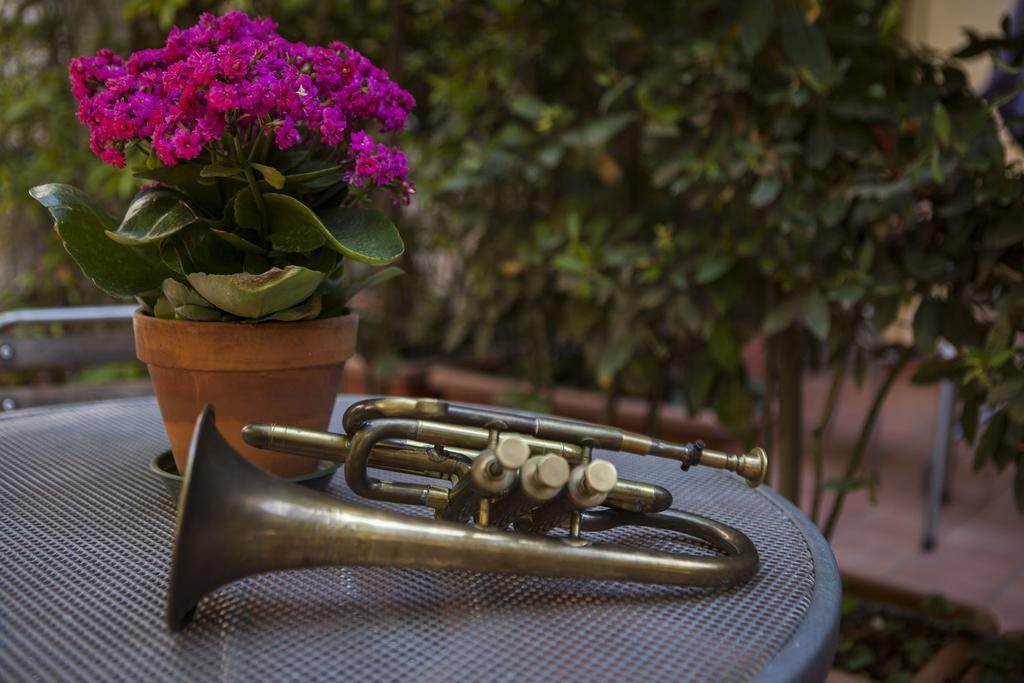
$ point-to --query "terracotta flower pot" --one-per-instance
(267, 372)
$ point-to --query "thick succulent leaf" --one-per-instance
(363, 234)
(336, 298)
(307, 310)
(286, 159)
(325, 260)
(146, 303)
(186, 179)
(331, 197)
(180, 294)
(163, 309)
(256, 264)
(293, 225)
(371, 280)
(239, 242)
(152, 217)
(314, 175)
(82, 225)
(198, 249)
(199, 313)
(271, 175)
(247, 213)
(256, 296)
(219, 171)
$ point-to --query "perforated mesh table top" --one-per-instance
(85, 538)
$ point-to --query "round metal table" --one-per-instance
(85, 537)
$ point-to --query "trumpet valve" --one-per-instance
(541, 479)
(544, 476)
(494, 470)
(591, 483)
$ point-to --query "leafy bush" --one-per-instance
(649, 196)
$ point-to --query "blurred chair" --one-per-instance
(76, 349)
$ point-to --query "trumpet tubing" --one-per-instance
(497, 468)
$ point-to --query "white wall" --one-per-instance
(939, 24)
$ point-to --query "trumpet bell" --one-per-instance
(235, 520)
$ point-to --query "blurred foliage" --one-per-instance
(624, 195)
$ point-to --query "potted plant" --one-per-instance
(260, 162)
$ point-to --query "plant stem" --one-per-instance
(243, 163)
(790, 387)
(611, 403)
(819, 433)
(655, 396)
(865, 435)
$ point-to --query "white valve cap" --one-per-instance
(512, 453)
(600, 476)
(552, 471)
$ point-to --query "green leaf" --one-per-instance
(146, 303)
(1007, 232)
(196, 249)
(362, 234)
(757, 20)
(991, 440)
(152, 217)
(293, 226)
(765, 191)
(178, 175)
(783, 315)
(180, 294)
(163, 309)
(198, 313)
(821, 145)
(238, 242)
(1016, 409)
(527, 106)
(614, 357)
(186, 179)
(371, 280)
(82, 226)
(246, 211)
(723, 347)
(315, 175)
(817, 316)
(734, 404)
(710, 269)
(271, 175)
(219, 171)
(805, 46)
(256, 296)
(969, 418)
(307, 310)
(1006, 391)
(890, 21)
(335, 301)
(940, 122)
(927, 324)
(599, 131)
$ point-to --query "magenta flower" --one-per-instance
(235, 74)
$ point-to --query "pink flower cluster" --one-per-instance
(235, 74)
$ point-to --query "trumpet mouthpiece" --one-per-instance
(752, 466)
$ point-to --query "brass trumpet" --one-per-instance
(503, 469)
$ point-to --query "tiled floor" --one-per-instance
(979, 558)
